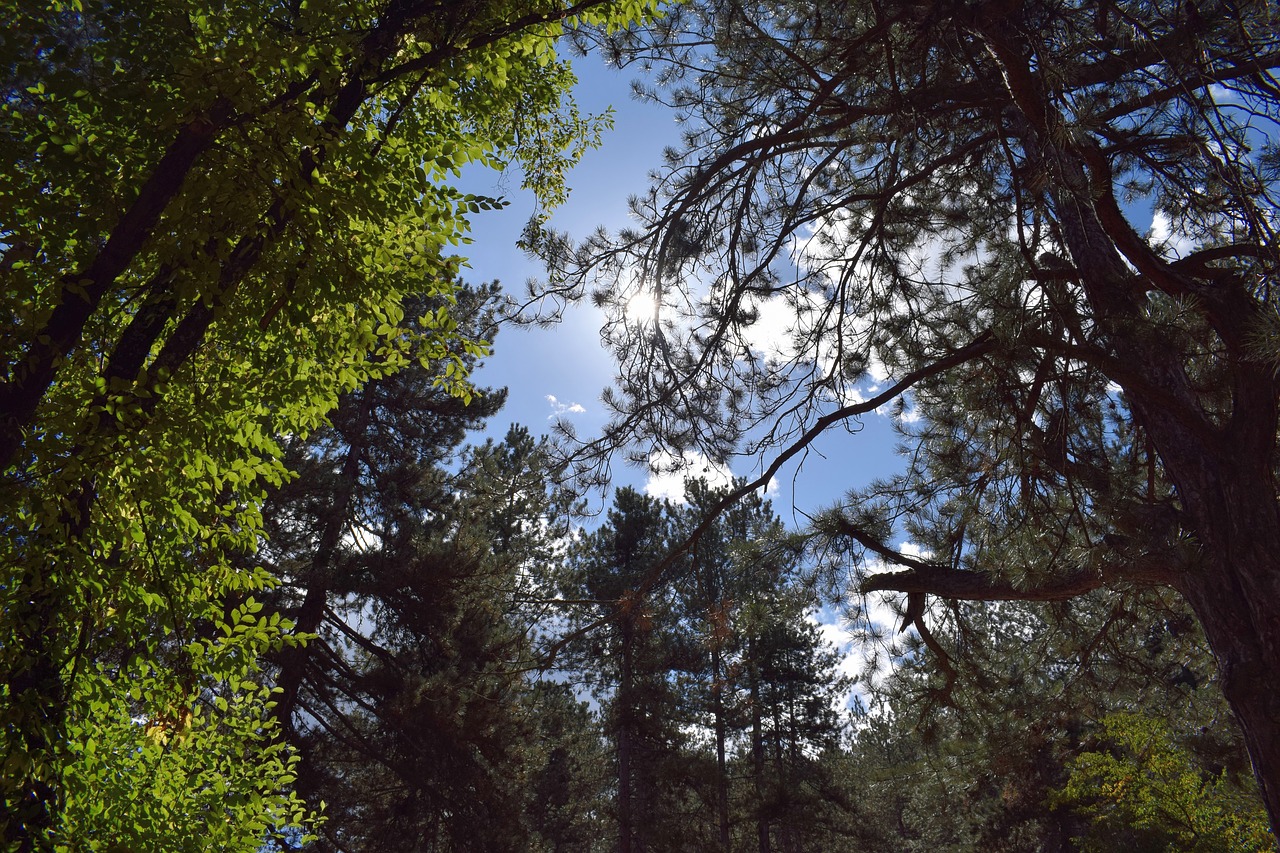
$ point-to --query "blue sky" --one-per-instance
(562, 371)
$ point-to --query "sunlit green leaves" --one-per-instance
(183, 759)
(230, 295)
(1140, 785)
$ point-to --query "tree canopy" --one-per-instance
(1046, 228)
(208, 219)
(246, 564)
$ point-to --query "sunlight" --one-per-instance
(641, 308)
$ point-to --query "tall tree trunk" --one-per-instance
(1220, 465)
(337, 518)
(626, 746)
(1235, 593)
(758, 755)
(1222, 475)
(722, 767)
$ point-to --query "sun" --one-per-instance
(641, 308)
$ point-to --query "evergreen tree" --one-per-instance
(368, 484)
(763, 683)
(718, 696)
(724, 572)
(406, 557)
(627, 662)
(569, 793)
(414, 719)
(950, 201)
(793, 691)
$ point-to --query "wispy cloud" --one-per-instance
(559, 409)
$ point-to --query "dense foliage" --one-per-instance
(1140, 787)
(248, 566)
(709, 713)
(208, 218)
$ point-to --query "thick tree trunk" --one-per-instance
(1244, 637)
(1235, 593)
(1222, 471)
(1220, 463)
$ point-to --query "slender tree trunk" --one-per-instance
(780, 779)
(625, 740)
(294, 660)
(788, 737)
(722, 767)
(758, 756)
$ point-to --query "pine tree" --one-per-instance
(793, 696)
(627, 662)
(367, 485)
(716, 584)
(763, 681)
(404, 556)
(736, 565)
(569, 792)
(949, 203)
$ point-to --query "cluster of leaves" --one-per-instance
(1022, 752)
(206, 772)
(208, 222)
(1142, 788)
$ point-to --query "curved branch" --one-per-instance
(1155, 569)
(82, 291)
(977, 348)
(961, 585)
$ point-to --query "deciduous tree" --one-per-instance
(207, 219)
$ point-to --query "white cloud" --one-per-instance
(667, 474)
(772, 489)
(559, 410)
(1167, 236)
(854, 661)
(870, 646)
(851, 664)
(772, 332)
